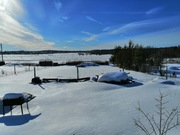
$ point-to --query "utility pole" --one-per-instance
(2, 61)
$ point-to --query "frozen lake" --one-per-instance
(58, 57)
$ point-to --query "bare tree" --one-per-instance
(166, 121)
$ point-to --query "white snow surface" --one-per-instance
(57, 57)
(87, 64)
(113, 76)
(84, 108)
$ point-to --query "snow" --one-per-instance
(12, 95)
(25, 95)
(173, 68)
(87, 64)
(57, 57)
(113, 77)
(84, 108)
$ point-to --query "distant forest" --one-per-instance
(98, 52)
(139, 58)
(166, 52)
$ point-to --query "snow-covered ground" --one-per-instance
(57, 57)
(84, 108)
(14, 62)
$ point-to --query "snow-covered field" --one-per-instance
(57, 57)
(84, 108)
(14, 62)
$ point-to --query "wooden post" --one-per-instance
(15, 69)
(34, 72)
(77, 72)
(29, 67)
(166, 72)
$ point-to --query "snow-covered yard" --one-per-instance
(84, 108)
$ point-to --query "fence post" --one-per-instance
(77, 72)
(34, 72)
(14, 69)
(29, 67)
(166, 72)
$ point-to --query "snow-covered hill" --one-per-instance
(84, 108)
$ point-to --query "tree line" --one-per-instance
(137, 57)
(96, 52)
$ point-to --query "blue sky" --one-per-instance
(88, 24)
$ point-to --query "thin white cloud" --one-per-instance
(155, 32)
(130, 27)
(160, 38)
(70, 41)
(106, 29)
(122, 29)
(87, 33)
(57, 4)
(156, 39)
(147, 26)
(63, 18)
(91, 36)
(13, 8)
(113, 13)
(154, 10)
(14, 33)
(93, 20)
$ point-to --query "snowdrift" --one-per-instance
(115, 77)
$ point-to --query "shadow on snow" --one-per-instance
(131, 84)
(16, 120)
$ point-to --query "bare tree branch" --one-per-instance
(167, 119)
